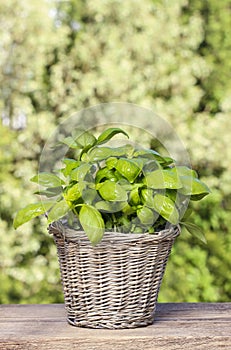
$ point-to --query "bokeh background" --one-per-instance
(58, 57)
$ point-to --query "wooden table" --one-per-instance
(176, 326)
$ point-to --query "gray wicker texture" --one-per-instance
(115, 284)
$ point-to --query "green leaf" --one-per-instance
(78, 174)
(198, 197)
(109, 133)
(134, 196)
(89, 195)
(160, 179)
(172, 194)
(47, 180)
(166, 208)
(50, 192)
(111, 191)
(99, 153)
(128, 210)
(58, 211)
(147, 197)
(150, 166)
(105, 173)
(102, 153)
(127, 186)
(111, 162)
(31, 211)
(70, 165)
(73, 193)
(151, 154)
(129, 168)
(86, 140)
(184, 171)
(92, 223)
(193, 187)
(165, 161)
(110, 207)
(124, 224)
(146, 216)
(187, 214)
(194, 230)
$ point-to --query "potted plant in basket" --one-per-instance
(125, 206)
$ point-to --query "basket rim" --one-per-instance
(73, 235)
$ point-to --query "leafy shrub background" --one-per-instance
(58, 57)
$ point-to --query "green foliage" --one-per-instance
(88, 183)
(170, 56)
(31, 211)
(215, 47)
(92, 223)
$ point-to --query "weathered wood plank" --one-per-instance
(176, 326)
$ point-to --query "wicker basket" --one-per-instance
(115, 284)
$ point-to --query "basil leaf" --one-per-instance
(151, 154)
(31, 211)
(78, 174)
(99, 153)
(193, 187)
(151, 165)
(58, 211)
(147, 153)
(194, 230)
(73, 193)
(166, 208)
(146, 216)
(92, 223)
(50, 192)
(111, 162)
(70, 165)
(134, 197)
(128, 210)
(173, 195)
(160, 179)
(105, 173)
(110, 207)
(184, 171)
(47, 180)
(147, 196)
(108, 134)
(111, 191)
(102, 153)
(129, 168)
(85, 140)
(89, 195)
(186, 215)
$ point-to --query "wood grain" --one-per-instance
(176, 326)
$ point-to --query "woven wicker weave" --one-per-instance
(115, 284)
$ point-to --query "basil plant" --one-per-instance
(120, 189)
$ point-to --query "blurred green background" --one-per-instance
(58, 57)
